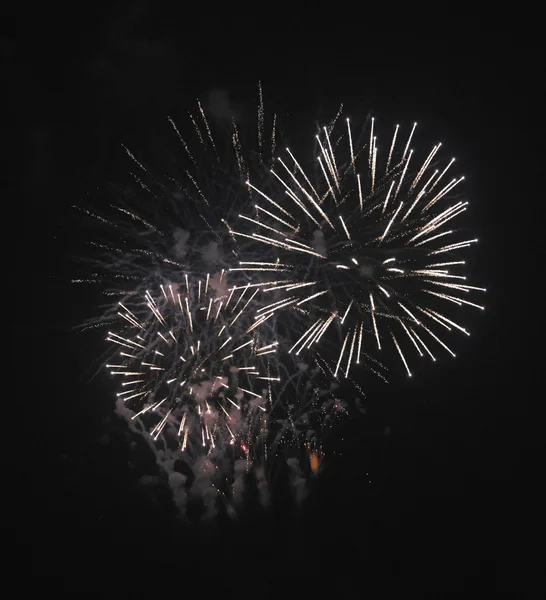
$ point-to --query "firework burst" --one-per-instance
(329, 262)
(192, 368)
(167, 218)
(365, 244)
(196, 377)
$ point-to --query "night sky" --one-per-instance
(450, 498)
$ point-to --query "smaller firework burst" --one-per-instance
(191, 367)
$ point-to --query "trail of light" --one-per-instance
(347, 312)
(350, 354)
(442, 193)
(272, 310)
(332, 155)
(279, 244)
(409, 313)
(282, 221)
(454, 299)
(240, 298)
(303, 173)
(392, 147)
(359, 344)
(327, 181)
(131, 314)
(456, 246)
(305, 335)
(260, 224)
(387, 197)
(341, 354)
(434, 318)
(298, 243)
(262, 320)
(441, 219)
(328, 162)
(420, 195)
(361, 202)
(292, 196)
(434, 237)
(326, 325)
(307, 195)
(127, 341)
(425, 166)
(203, 116)
(189, 314)
(401, 355)
(135, 395)
(375, 330)
(446, 264)
(423, 344)
(403, 174)
(370, 145)
(264, 264)
(313, 296)
(242, 310)
(266, 308)
(409, 141)
(391, 222)
(351, 150)
(218, 312)
(345, 227)
(438, 340)
(374, 160)
(410, 337)
(271, 201)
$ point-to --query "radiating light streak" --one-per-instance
(307, 333)
(409, 313)
(345, 227)
(410, 336)
(346, 312)
(439, 340)
(312, 297)
(350, 354)
(387, 198)
(401, 355)
(375, 331)
(391, 222)
(392, 147)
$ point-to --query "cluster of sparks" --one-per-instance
(333, 259)
(188, 365)
(189, 359)
(165, 224)
(209, 148)
(364, 244)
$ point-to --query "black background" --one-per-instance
(454, 501)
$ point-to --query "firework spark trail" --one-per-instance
(191, 370)
(358, 234)
(163, 221)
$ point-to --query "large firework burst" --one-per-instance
(328, 261)
(362, 242)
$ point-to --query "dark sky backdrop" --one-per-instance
(454, 495)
